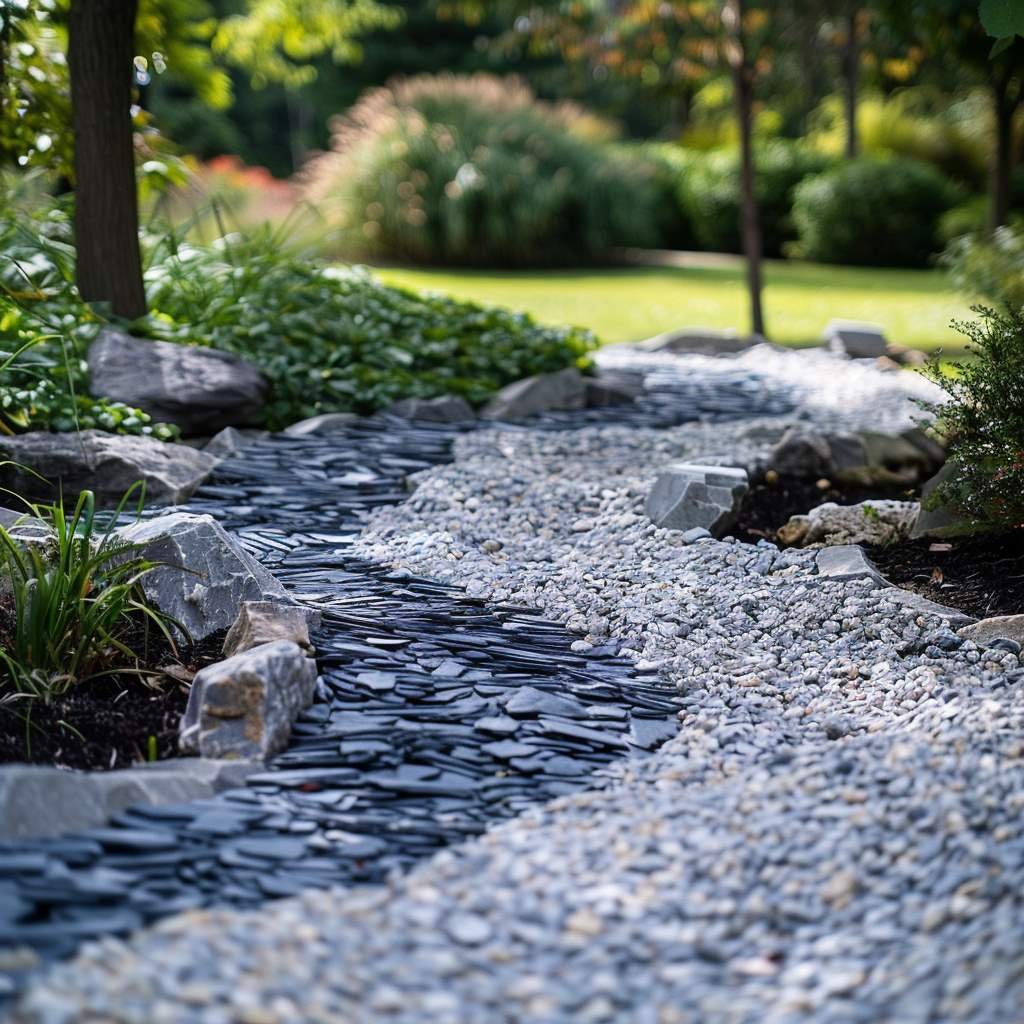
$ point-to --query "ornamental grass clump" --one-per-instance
(984, 422)
(474, 170)
(72, 605)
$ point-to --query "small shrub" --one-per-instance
(984, 420)
(337, 339)
(474, 170)
(872, 212)
(670, 164)
(70, 605)
(710, 194)
(990, 268)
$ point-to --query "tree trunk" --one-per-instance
(851, 76)
(1002, 159)
(743, 87)
(101, 42)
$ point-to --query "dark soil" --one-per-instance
(769, 506)
(981, 576)
(106, 722)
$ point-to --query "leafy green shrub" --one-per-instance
(990, 268)
(71, 603)
(670, 164)
(984, 420)
(474, 170)
(710, 194)
(45, 332)
(338, 339)
(966, 218)
(872, 212)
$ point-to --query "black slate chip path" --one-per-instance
(435, 717)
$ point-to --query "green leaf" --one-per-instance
(1002, 18)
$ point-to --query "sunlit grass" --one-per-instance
(623, 304)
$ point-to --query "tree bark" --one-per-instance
(851, 77)
(743, 88)
(101, 42)
(1002, 158)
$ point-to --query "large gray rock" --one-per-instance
(41, 802)
(998, 627)
(245, 706)
(613, 387)
(546, 392)
(443, 409)
(107, 464)
(847, 562)
(205, 575)
(855, 339)
(938, 521)
(230, 440)
(876, 522)
(262, 622)
(325, 423)
(685, 497)
(199, 389)
(703, 341)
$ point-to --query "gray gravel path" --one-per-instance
(834, 835)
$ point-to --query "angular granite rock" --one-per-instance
(443, 409)
(613, 387)
(686, 496)
(998, 627)
(703, 341)
(199, 389)
(855, 339)
(868, 522)
(262, 622)
(546, 392)
(205, 575)
(939, 521)
(230, 440)
(107, 464)
(244, 706)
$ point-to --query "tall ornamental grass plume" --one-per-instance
(474, 170)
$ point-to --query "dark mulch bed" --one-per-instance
(106, 722)
(981, 576)
(769, 506)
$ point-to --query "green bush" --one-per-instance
(990, 268)
(337, 339)
(45, 332)
(710, 194)
(966, 218)
(474, 170)
(984, 420)
(74, 603)
(872, 212)
(670, 164)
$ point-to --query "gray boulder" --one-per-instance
(231, 440)
(998, 627)
(847, 562)
(39, 802)
(802, 453)
(939, 521)
(869, 522)
(263, 622)
(443, 409)
(205, 575)
(613, 387)
(546, 392)
(325, 423)
(703, 341)
(199, 389)
(245, 706)
(685, 497)
(107, 464)
(855, 339)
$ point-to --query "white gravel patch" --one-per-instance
(834, 835)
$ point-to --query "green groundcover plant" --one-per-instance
(984, 421)
(336, 338)
(71, 601)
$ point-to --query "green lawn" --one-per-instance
(626, 304)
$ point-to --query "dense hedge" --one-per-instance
(474, 170)
(710, 194)
(873, 212)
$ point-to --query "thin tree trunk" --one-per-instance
(101, 38)
(743, 87)
(1002, 159)
(851, 76)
